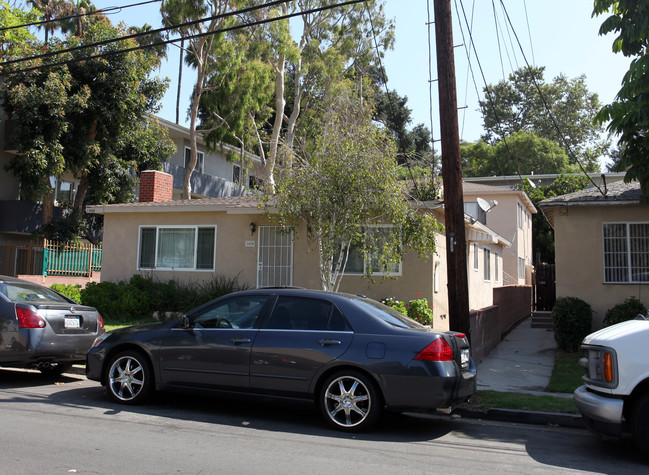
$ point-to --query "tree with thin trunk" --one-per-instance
(200, 48)
(347, 197)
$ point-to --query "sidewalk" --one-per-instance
(522, 362)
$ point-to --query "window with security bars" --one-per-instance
(626, 252)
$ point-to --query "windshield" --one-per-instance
(18, 292)
(389, 315)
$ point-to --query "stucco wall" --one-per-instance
(236, 256)
(579, 256)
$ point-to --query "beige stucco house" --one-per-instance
(601, 245)
(508, 212)
(191, 240)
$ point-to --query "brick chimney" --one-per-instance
(155, 186)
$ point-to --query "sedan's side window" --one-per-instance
(237, 312)
(301, 313)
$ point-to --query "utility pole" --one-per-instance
(458, 292)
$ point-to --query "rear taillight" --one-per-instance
(100, 321)
(438, 350)
(29, 319)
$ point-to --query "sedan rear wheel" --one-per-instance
(350, 401)
(130, 378)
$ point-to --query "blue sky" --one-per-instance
(562, 36)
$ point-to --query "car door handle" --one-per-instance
(238, 341)
(328, 341)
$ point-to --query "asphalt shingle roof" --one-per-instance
(616, 193)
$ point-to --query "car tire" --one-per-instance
(54, 369)
(350, 401)
(640, 423)
(129, 378)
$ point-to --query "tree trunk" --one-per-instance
(280, 104)
(180, 79)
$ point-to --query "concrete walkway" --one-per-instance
(522, 362)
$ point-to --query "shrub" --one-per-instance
(395, 304)
(141, 296)
(70, 291)
(624, 311)
(420, 311)
(572, 322)
(103, 296)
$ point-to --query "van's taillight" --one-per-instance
(438, 350)
(100, 321)
(29, 319)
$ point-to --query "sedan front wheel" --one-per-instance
(350, 401)
(130, 378)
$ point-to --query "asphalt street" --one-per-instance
(70, 426)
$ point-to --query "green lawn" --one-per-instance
(566, 377)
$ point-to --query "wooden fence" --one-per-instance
(49, 258)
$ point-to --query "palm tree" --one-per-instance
(50, 10)
(83, 13)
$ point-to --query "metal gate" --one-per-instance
(275, 257)
(544, 286)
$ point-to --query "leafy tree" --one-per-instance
(522, 153)
(12, 39)
(329, 45)
(201, 47)
(348, 184)
(519, 105)
(89, 117)
(542, 232)
(394, 114)
(629, 113)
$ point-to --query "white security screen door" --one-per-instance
(275, 257)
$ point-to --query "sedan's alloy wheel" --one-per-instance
(350, 401)
(129, 377)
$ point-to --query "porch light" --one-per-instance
(253, 228)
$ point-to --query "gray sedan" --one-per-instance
(352, 355)
(40, 328)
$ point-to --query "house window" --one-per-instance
(236, 174)
(520, 215)
(487, 264)
(476, 259)
(200, 159)
(521, 268)
(626, 252)
(63, 190)
(358, 264)
(177, 247)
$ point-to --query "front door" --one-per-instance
(275, 257)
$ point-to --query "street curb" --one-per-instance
(525, 417)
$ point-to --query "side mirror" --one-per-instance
(183, 321)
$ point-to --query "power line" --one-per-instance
(103, 11)
(487, 92)
(547, 107)
(171, 41)
(149, 33)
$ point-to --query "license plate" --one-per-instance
(464, 356)
(72, 322)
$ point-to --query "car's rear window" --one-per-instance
(17, 292)
(387, 314)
